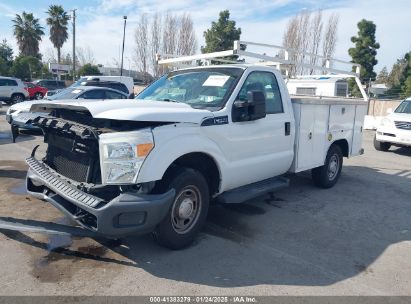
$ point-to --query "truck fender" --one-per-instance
(167, 152)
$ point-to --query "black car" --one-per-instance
(50, 84)
(119, 86)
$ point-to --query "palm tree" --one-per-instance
(28, 32)
(58, 20)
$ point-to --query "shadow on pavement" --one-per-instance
(299, 236)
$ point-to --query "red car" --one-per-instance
(35, 91)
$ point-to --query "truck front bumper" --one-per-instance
(128, 213)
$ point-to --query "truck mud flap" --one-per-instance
(22, 225)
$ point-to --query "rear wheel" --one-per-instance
(38, 96)
(380, 145)
(16, 98)
(188, 211)
(327, 175)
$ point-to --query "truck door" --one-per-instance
(262, 148)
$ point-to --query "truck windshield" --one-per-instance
(404, 107)
(200, 88)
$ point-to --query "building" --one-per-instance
(318, 86)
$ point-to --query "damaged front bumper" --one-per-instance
(128, 213)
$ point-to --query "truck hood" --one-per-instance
(130, 109)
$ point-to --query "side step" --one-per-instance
(9, 223)
(247, 192)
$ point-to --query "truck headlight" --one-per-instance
(122, 154)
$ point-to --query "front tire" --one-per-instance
(380, 145)
(327, 175)
(188, 212)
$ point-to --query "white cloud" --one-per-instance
(101, 28)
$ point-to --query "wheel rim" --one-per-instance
(186, 209)
(333, 167)
(17, 98)
(38, 96)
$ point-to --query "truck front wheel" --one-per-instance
(381, 146)
(188, 211)
(327, 175)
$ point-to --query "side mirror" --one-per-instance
(252, 109)
(256, 107)
(389, 110)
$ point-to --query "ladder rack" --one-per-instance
(285, 60)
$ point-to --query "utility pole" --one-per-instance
(124, 38)
(74, 43)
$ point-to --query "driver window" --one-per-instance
(266, 83)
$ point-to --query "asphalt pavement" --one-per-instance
(353, 239)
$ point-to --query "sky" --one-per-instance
(99, 24)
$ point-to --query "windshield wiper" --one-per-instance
(171, 100)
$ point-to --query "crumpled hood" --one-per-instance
(131, 109)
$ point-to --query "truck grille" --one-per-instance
(73, 158)
(403, 125)
(68, 164)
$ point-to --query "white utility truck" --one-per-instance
(224, 132)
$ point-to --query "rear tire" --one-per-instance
(38, 96)
(16, 98)
(188, 212)
(380, 145)
(327, 175)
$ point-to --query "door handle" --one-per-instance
(287, 128)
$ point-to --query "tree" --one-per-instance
(382, 76)
(89, 70)
(330, 37)
(407, 88)
(187, 41)
(170, 31)
(221, 35)
(28, 32)
(171, 35)
(306, 32)
(57, 21)
(84, 56)
(6, 57)
(141, 38)
(6, 52)
(365, 49)
(155, 43)
(26, 67)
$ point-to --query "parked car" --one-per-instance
(12, 90)
(126, 80)
(19, 115)
(116, 85)
(35, 91)
(395, 129)
(50, 84)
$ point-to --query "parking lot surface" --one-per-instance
(353, 239)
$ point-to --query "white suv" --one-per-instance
(12, 90)
(395, 129)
